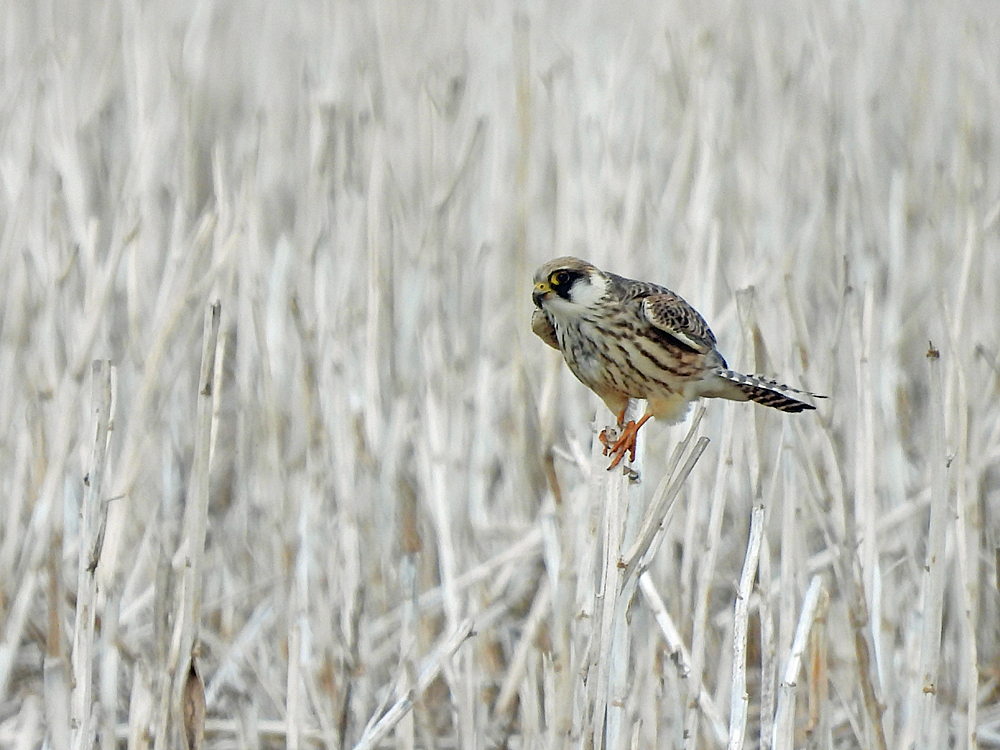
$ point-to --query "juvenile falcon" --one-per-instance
(631, 339)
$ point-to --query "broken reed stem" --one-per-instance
(610, 653)
(934, 567)
(661, 506)
(91, 533)
(818, 725)
(739, 698)
(189, 561)
(628, 543)
(660, 512)
(784, 720)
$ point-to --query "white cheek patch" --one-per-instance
(587, 293)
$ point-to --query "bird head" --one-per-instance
(568, 286)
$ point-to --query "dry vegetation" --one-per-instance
(367, 498)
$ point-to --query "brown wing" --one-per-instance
(677, 318)
(667, 311)
(543, 328)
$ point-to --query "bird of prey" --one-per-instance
(628, 339)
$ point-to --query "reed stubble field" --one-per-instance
(269, 395)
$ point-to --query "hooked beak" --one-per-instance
(542, 292)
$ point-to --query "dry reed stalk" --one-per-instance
(935, 565)
(846, 562)
(409, 622)
(739, 698)
(56, 690)
(189, 560)
(91, 539)
(867, 506)
(563, 536)
(784, 720)
(819, 721)
(179, 288)
(966, 580)
(710, 549)
(661, 505)
(609, 650)
(110, 671)
(768, 650)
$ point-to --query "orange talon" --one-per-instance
(626, 443)
(621, 416)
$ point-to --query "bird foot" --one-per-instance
(624, 444)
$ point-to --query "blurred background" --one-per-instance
(367, 188)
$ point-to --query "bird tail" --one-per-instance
(764, 391)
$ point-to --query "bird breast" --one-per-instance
(613, 353)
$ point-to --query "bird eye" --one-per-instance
(559, 278)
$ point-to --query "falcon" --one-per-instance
(627, 339)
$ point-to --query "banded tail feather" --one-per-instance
(767, 392)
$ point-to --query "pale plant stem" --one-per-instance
(560, 530)
(616, 501)
(706, 572)
(768, 655)
(90, 542)
(966, 584)
(441, 511)
(739, 699)
(110, 677)
(191, 553)
(867, 505)
(966, 580)
(787, 586)
(784, 722)
(661, 505)
(409, 623)
(935, 565)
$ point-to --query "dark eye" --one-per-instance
(559, 278)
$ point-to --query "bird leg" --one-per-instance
(626, 443)
(608, 439)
